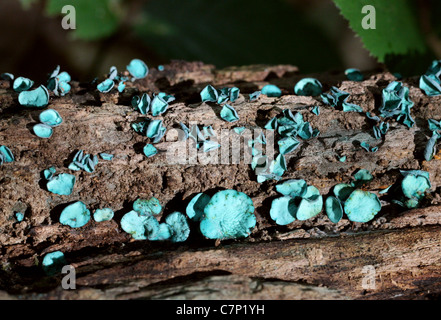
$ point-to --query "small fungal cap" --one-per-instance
(292, 188)
(62, 184)
(414, 186)
(158, 105)
(362, 206)
(196, 206)
(253, 96)
(316, 110)
(49, 173)
(361, 177)
(288, 144)
(179, 226)
(22, 84)
(228, 113)
(75, 215)
(138, 69)
(308, 87)
(311, 204)
(42, 130)
(228, 215)
(140, 227)
(34, 98)
(283, 210)
(50, 117)
(210, 145)
(239, 130)
(164, 233)
(354, 74)
(6, 154)
(106, 156)
(343, 190)
(53, 262)
(333, 209)
(106, 86)
(271, 90)
(149, 150)
(209, 93)
(103, 214)
(19, 216)
(147, 207)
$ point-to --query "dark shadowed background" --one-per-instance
(310, 34)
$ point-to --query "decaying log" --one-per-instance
(311, 259)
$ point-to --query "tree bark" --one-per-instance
(394, 256)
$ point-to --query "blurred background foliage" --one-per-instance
(315, 35)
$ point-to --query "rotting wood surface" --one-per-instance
(402, 247)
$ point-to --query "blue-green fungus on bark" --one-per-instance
(149, 150)
(59, 82)
(150, 206)
(22, 84)
(50, 117)
(396, 102)
(354, 74)
(228, 215)
(49, 173)
(180, 230)
(61, 184)
(337, 98)
(255, 95)
(6, 155)
(300, 202)
(308, 87)
(430, 82)
(362, 206)
(104, 214)
(106, 86)
(106, 156)
(42, 130)
(38, 97)
(75, 215)
(19, 216)
(196, 206)
(138, 69)
(228, 113)
(271, 90)
(83, 161)
(139, 226)
(333, 209)
(53, 263)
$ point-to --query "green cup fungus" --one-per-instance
(337, 98)
(228, 113)
(228, 215)
(308, 87)
(271, 90)
(53, 263)
(299, 201)
(359, 205)
(353, 74)
(22, 84)
(61, 184)
(42, 130)
(430, 82)
(137, 69)
(195, 208)
(396, 102)
(75, 215)
(6, 155)
(34, 98)
(104, 214)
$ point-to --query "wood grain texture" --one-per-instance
(402, 246)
